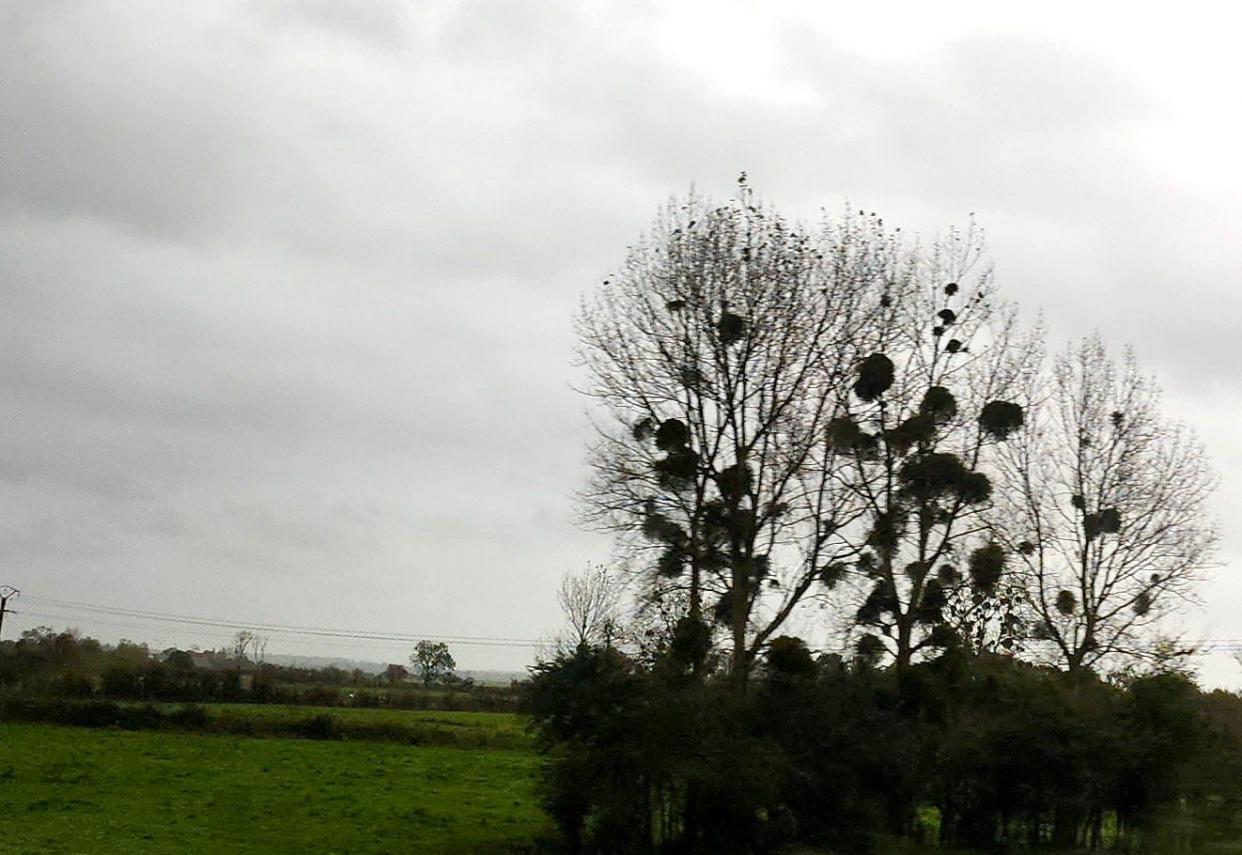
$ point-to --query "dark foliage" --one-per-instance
(875, 376)
(1001, 418)
(1006, 756)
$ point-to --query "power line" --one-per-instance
(333, 644)
(118, 624)
(91, 611)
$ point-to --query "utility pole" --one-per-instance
(7, 592)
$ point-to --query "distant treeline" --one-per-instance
(44, 663)
(979, 752)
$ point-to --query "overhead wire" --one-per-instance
(94, 611)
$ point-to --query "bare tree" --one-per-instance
(250, 645)
(591, 604)
(242, 642)
(716, 353)
(1107, 509)
(937, 391)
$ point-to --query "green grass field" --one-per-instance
(79, 790)
(465, 729)
(492, 722)
(431, 728)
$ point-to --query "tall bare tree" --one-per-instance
(716, 353)
(1107, 509)
(939, 388)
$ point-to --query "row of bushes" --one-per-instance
(983, 753)
(200, 719)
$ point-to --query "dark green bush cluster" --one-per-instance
(983, 753)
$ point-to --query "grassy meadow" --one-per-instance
(493, 724)
(88, 790)
(430, 727)
(410, 727)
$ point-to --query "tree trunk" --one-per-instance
(740, 665)
(905, 633)
(1065, 824)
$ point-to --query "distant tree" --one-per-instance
(179, 660)
(395, 674)
(130, 653)
(248, 645)
(590, 603)
(241, 643)
(38, 635)
(1107, 510)
(432, 662)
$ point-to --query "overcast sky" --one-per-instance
(286, 287)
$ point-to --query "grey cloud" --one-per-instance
(373, 25)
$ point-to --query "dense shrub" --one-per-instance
(968, 752)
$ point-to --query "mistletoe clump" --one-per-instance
(1001, 418)
(939, 403)
(1066, 603)
(931, 606)
(677, 468)
(1110, 521)
(880, 602)
(937, 475)
(731, 328)
(875, 377)
(734, 482)
(919, 429)
(869, 648)
(832, 573)
(671, 434)
(845, 434)
(987, 565)
(656, 526)
(1107, 521)
(887, 531)
(680, 463)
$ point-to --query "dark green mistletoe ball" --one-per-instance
(1001, 418)
(875, 377)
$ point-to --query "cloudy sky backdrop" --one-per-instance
(286, 287)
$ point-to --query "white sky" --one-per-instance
(286, 288)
